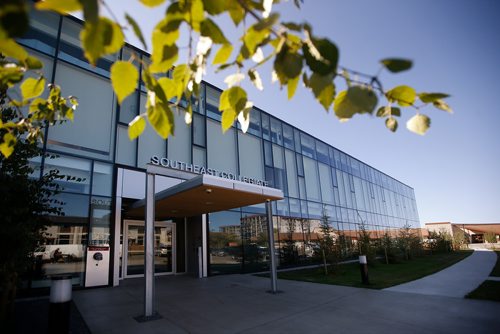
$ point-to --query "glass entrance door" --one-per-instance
(164, 248)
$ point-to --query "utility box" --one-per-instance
(97, 266)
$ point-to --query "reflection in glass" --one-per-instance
(225, 242)
(163, 249)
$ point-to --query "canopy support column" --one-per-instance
(270, 235)
(149, 278)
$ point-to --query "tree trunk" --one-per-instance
(8, 295)
(324, 262)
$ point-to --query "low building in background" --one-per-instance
(474, 233)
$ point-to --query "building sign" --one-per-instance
(184, 166)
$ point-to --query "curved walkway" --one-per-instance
(456, 280)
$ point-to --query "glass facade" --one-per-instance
(313, 175)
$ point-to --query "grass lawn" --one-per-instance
(381, 275)
(496, 268)
(489, 290)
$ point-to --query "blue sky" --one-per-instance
(455, 46)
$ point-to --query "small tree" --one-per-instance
(24, 206)
(459, 240)
(328, 247)
(408, 241)
(490, 237)
(289, 249)
(365, 244)
(387, 246)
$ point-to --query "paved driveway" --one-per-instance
(454, 281)
(240, 304)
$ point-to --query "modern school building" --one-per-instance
(210, 187)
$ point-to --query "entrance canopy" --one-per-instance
(204, 194)
(198, 195)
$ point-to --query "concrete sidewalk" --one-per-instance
(240, 304)
(455, 281)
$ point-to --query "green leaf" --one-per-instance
(267, 23)
(152, 3)
(391, 123)
(440, 104)
(292, 26)
(37, 105)
(396, 65)
(124, 78)
(101, 38)
(255, 78)
(363, 98)
(161, 118)
(419, 124)
(90, 10)
(61, 6)
(113, 35)
(252, 39)
(14, 18)
(287, 65)
(32, 87)
(328, 52)
(233, 98)
(228, 118)
(169, 55)
(181, 76)
(232, 101)
(10, 75)
(215, 7)
(137, 30)
(7, 146)
(403, 95)
(431, 97)
(355, 100)
(136, 127)
(210, 29)
(33, 63)
(168, 87)
(9, 48)
(223, 54)
(236, 12)
(388, 111)
(323, 89)
(292, 86)
(197, 14)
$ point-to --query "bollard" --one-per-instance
(363, 266)
(60, 304)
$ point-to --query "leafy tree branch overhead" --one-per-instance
(296, 54)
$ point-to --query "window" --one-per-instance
(92, 131)
(150, 143)
(308, 148)
(76, 172)
(288, 136)
(266, 128)
(322, 152)
(291, 174)
(312, 180)
(70, 50)
(42, 34)
(250, 155)
(221, 148)
(276, 134)
(179, 145)
(198, 130)
(102, 179)
(125, 148)
(212, 103)
(325, 177)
